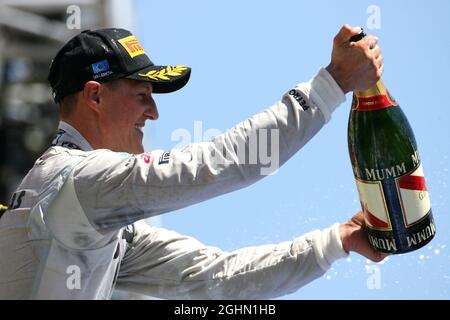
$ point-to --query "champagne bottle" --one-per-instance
(388, 172)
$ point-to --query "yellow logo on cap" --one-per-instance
(164, 74)
(132, 46)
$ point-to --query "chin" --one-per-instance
(138, 149)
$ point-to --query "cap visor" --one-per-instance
(164, 79)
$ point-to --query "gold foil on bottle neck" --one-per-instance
(375, 98)
(376, 90)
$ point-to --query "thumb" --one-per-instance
(346, 33)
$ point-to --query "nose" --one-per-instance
(152, 111)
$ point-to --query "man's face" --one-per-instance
(125, 106)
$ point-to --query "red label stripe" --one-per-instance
(133, 45)
(413, 183)
(374, 103)
(372, 220)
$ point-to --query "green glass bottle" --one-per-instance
(388, 173)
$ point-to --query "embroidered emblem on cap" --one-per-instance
(165, 73)
(132, 46)
(101, 69)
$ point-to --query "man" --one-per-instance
(74, 227)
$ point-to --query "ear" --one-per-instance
(91, 94)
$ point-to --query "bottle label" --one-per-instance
(372, 103)
(412, 193)
(373, 204)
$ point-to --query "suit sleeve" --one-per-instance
(117, 189)
(167, 265)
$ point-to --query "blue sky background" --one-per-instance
(245, 55)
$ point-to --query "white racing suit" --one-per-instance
(74, 228)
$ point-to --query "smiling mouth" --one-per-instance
(139, 127)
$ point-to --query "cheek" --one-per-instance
(120, 115)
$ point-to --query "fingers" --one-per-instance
(373, 55)
(378, 62)
(376, 57)
(369, 44)
(356, 239)
(375, 52)
(367, 250)
(376, 256)
(380, 71)
(346, 33)
(372, 41)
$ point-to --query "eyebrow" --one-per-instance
(146, 86)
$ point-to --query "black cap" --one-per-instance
(107, 54)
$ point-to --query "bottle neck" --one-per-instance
(375, 98)
(378, 89)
